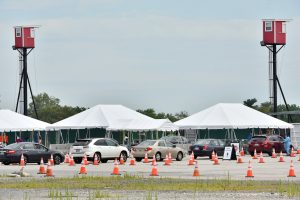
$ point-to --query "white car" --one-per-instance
(104, 148)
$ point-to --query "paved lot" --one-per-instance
(270, 170)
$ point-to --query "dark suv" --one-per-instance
(265, 144)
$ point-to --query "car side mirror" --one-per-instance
(174, 146)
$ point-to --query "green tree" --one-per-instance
(250, 103)
(151, 113)
(49, 109)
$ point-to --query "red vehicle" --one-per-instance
(265, 144)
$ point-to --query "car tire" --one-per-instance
(77, 160)
(179, 156)
(124, 154)
(25, 160)
(158, 157)
(98, 155)
(6, 163)
(57, 159)
(138, 159)
(251, 153)
(104, 160)
(195, 157)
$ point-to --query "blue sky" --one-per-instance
(168, 55)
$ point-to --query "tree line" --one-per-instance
(50, 110)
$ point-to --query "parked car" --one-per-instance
(205, 147)
(157, 148)
(32, 153)
(104, 148)
(265, 144)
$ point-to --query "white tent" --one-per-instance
(112, 117)
(12, 121)
(230, 116)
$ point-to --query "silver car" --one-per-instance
(157, 148)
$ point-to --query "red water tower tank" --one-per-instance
(24, 37)
(274, 31)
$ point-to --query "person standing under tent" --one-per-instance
(287, 145)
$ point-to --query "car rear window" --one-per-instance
(147, 143)
(203, 142)
(258, 139)
(82, 142)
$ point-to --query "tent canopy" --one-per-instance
(112, 117)
(12, 121)
(230, 116)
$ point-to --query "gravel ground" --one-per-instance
(135, 195)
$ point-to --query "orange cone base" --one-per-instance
(146, 160)
(191, 162)
(196, 173)
(298, 151)
(249, 174)
(132, 162)
(116, 171)
(281, 160)
(154, 172)
(42, 170)
(49, 173)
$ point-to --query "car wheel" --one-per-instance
(57, 159)
(104, 160)
(98, 156)
(6, 163)
(158, 156)
(138, 159)
(77, 160)
(179, 156)
(25, 160)
(195, 157)
(124, 154)
(251, 153)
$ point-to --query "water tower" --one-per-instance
(274, 34)
(24, 44)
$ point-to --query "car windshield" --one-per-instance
(258, 139)
(147, 143)
(12, 146)
(82, 142)
(203, 142)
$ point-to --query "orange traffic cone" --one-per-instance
(49, 172)
(191, 160)
(67, 158)
(132, 160)
(116, 168)
(274, 154)
(239, 160)
(298, 151)
(167, 161)
(249, 171)
(154, 161)
(242, 153)
(84, 161)
(281, 157)
(170, 157)
(261, 158)
(193, 156)
(154, 171)
(216, 161)
(22, 162)
(213, 156)
(71, 163)
(51, 160)
(292, 170)
(82, 169)
(122, 160)
(42, 167)
(96, 162)
(254, 155)
(146, 160)
(292, 152)
(196, 170)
